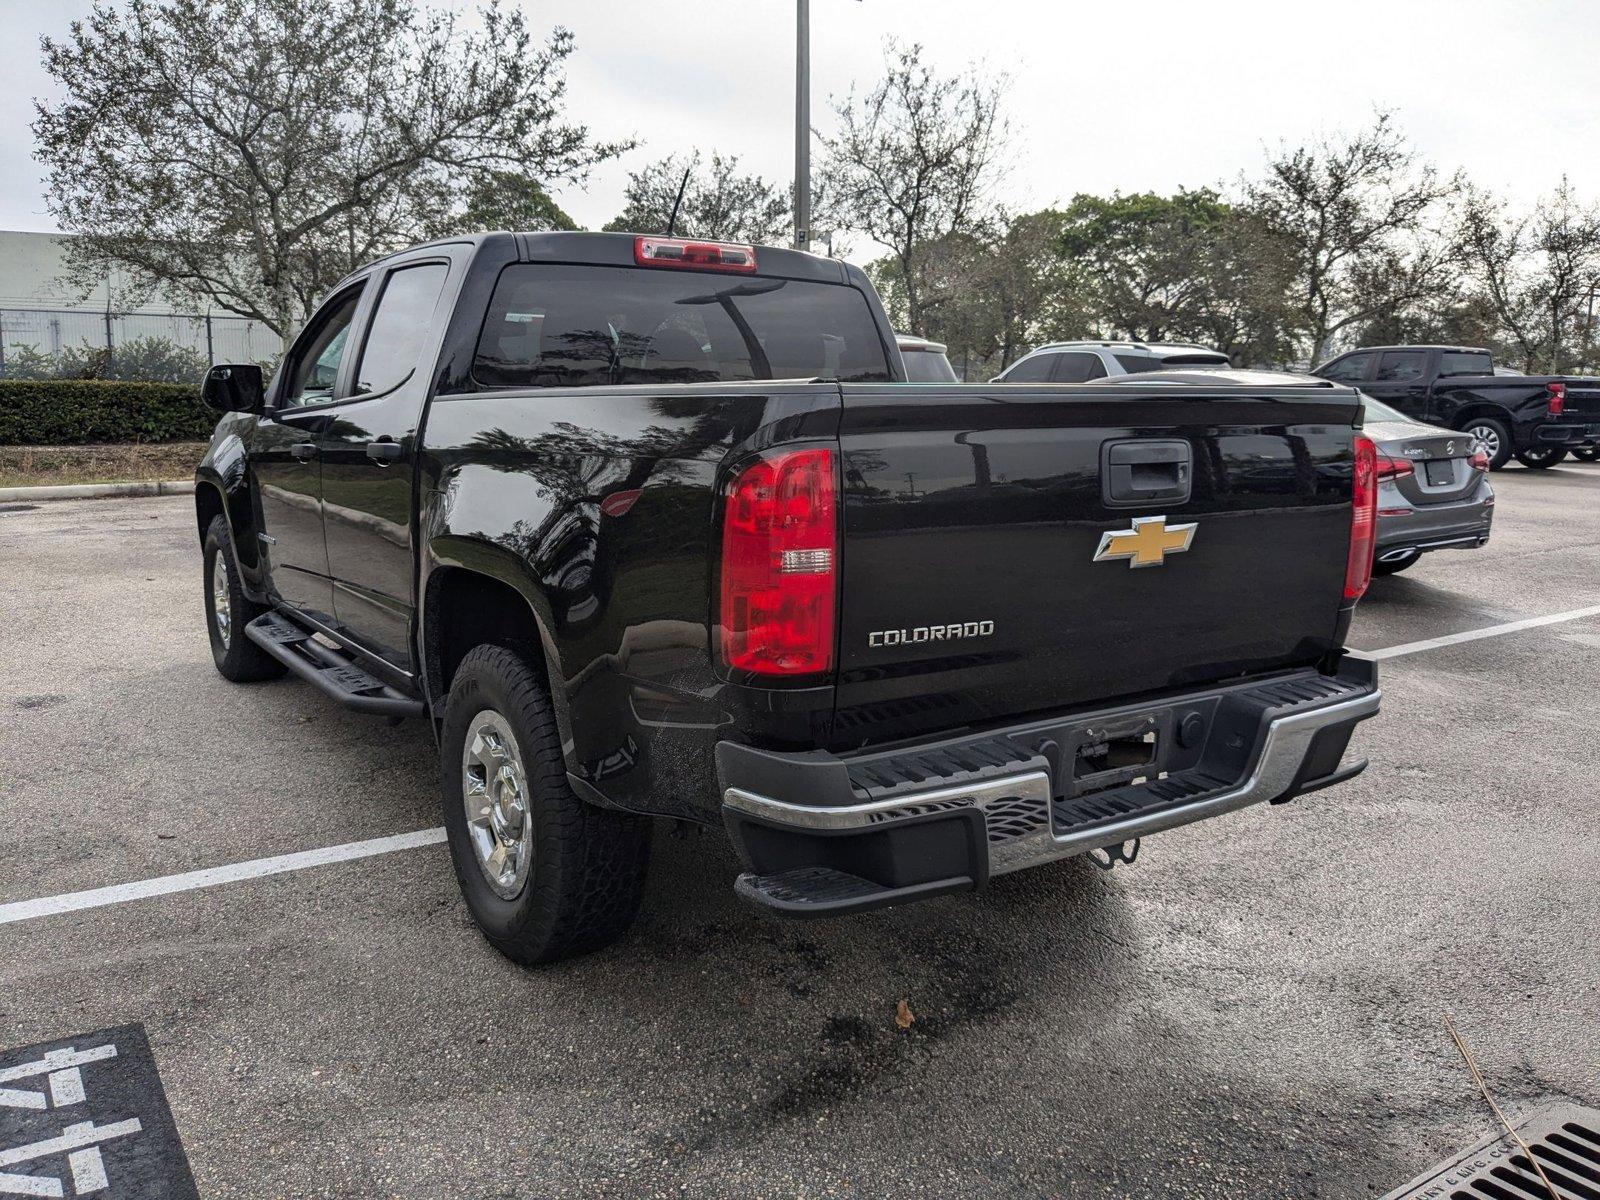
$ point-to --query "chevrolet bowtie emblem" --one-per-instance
(1147, 544)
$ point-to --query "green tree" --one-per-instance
(914, 163)
(510, 200)
(1362, 217)
(243, 155)
(719, 202)
(1537, 275)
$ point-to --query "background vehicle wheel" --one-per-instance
(1586, 453)
(546, 875)
(1541, 457)
(1395, 566)
(1494, 437)
(229, 610)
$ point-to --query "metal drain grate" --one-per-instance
(1565, 1140)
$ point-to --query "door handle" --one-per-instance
(383, 450)
(304, 451)
(1146, 471)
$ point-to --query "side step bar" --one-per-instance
(328, 670)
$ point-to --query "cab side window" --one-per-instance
(1352, 368)
(314, 361)
(1402, 366)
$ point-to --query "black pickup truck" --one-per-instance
(1537, 418)
(649, 527)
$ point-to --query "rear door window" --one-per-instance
(1077, 367)
(399, 327)
(1352, 368)
(1401, 366)
(579, 326)
(1459, 362)
(1036, 368)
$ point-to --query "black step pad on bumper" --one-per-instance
(824, 891)
(330, 671)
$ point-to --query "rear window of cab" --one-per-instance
(578, 326)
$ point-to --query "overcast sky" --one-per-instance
(1103, 96)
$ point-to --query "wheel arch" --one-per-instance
(489, 601)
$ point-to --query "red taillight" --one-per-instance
(1479, 460)
(1558, 397)
(780, 552)
(1388, 466)
(1363, 519)
(693, 256)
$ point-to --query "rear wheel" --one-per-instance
(1394, 566)
(229, 610)
(1493, 438)
(1541, 457)
(1586, 453)
(546, 875)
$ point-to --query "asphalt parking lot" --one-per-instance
(1253, 1010)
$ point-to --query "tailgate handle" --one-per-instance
(1145, 471)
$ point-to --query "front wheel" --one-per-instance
(546, 875)
(1541, 458)
(1586, 453)
(1493, 438)
(229, 610)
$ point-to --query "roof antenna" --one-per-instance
(672, 221)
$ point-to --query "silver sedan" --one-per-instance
(1433, 489)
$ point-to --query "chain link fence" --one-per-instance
(48, 343)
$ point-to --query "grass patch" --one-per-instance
(37, 466)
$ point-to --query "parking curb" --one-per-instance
(98, 491)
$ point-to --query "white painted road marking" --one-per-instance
(1472, 635)
(46, 906)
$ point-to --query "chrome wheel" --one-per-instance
(1488, 439)
(221, 607)
(494, 790)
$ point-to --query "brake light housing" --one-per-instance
(1388, 467)
(686, 255)
(1479, 460)
(780, 558)
(1363, 519)
(1558, 397)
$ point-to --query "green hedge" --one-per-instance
(75, 412)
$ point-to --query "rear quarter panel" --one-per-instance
(599, 506)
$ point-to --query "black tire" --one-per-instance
(585, 878)
(1541, 458)
(236, 656)
(1394, 567)
(1494, 433)
(1586, 453)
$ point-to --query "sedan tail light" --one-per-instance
(1363, 519)
(1479, 460)
(1558, 397)
(780, 554)
(1389, 466)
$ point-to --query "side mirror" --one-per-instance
(233, 388)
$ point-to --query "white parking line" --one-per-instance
(1472, 635)
(46, 906)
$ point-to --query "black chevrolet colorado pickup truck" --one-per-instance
(648, 527)
(1537, 418)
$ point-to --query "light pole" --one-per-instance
(802, 125)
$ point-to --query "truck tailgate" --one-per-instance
(970, 590)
